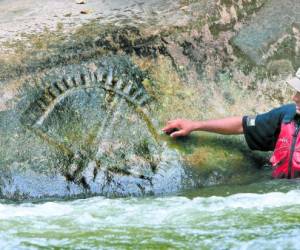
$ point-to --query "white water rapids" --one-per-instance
(238, 221)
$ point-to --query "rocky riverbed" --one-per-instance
(86, 88)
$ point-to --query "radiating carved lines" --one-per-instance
(120, 97)
(118, 92)
(54, 92)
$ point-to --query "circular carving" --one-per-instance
(95, 114)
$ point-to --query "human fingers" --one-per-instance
(178, 133)
(169, 128)
(170, 125)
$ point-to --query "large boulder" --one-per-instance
(81, 109)
(85, 129)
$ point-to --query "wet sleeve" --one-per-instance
(261, 131)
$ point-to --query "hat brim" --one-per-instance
(295, 83)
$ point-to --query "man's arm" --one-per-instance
(226, 126)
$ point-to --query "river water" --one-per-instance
(264, 215)
(261, 215)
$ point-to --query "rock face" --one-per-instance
(274, 24)
(81, 109)
(89, 131)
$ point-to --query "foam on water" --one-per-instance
(248, 221)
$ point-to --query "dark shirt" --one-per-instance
(261, 131)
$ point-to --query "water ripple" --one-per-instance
(241, 221)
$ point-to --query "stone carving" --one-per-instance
(94, 117)
(86, 125)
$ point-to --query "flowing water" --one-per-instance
(264, 215)
(261, 215)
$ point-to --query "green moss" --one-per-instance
(227, 3)
(253, 6)
(202, 151)
(215, 159)
(209, 152)
(36, 52)
(173, 98)
(142, 149)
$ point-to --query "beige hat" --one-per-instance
(295, 82)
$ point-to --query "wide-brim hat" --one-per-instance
(295, 81)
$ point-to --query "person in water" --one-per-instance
(276, 130)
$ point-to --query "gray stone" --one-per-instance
(91, 135)
(79, 118)
(267, 29)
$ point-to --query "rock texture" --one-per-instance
(82, 107)
(89, 131)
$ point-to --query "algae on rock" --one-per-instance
(91, 104)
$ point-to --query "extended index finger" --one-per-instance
(168, 128)
(171, 127)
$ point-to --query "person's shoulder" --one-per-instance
(285, 112)
(290, 107)
(286, 108)
(261, 130)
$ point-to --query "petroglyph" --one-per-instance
(120, 142)
(55, 91)
(85, 125)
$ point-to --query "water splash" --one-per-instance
(239, 221)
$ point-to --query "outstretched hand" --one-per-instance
(179, 127)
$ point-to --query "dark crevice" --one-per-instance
(82, 77)
(84, 183)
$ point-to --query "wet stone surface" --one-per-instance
(93, 121)
(265, 33)
(83, 96)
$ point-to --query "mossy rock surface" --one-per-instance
(82, 109)
(89, 129)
